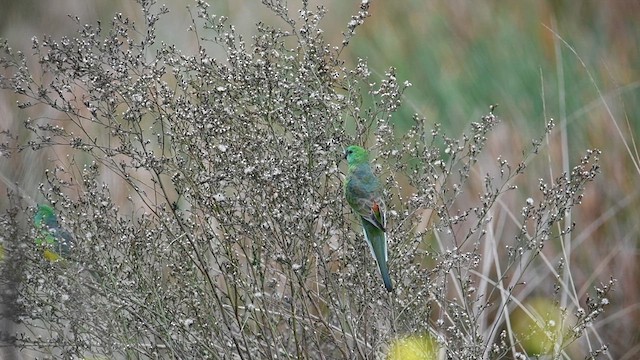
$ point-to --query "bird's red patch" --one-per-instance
(375, 208)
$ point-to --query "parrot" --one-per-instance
(55, 240)
(363, 193)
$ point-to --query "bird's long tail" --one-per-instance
(377, 240)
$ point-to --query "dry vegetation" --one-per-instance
(205, 196)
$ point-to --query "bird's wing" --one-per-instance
(365, 202)
(373, 210)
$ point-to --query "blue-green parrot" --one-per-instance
(55, 241)
(363, 193)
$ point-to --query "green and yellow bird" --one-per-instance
(364, 195)
(55, 241)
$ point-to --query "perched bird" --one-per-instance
(55, 241)
(363, 193)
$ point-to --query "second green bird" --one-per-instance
(55, 241)
(363, 193)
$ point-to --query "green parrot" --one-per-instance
(55, 241)
(363, 193)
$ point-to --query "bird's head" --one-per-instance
(356, 155)
(45, 216)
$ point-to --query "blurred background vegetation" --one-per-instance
(576, 62)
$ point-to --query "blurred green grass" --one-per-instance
(462, 56)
